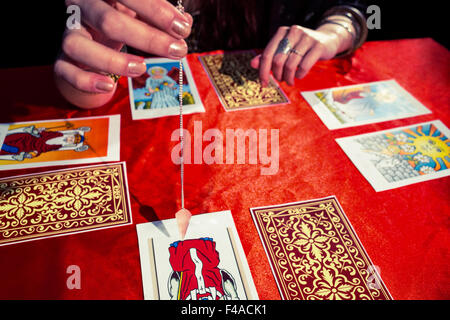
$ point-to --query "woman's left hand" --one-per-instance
(307, 46)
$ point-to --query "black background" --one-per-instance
(274, 309)
(31, 30)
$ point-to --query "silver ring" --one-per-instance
(296, 52)
(284, 46)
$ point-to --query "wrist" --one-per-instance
(352, 20)
(340, 31)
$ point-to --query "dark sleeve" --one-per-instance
(316, 9)
(305, 13)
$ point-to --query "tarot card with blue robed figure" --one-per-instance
(361, 104)
(398, 157)
(155, 94)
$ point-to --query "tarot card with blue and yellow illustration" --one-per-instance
(363, 104)
(401, 156)
(156, 93)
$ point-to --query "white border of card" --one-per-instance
(155, 238)
(113, 144)
(361, 160)
(332, 122)
(171, 111)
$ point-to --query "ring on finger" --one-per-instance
(296, 52)
(284, 47)
(113, 76)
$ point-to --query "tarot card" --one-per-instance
(63, 202)
(237, 84)
(401, 156)
(315, 254)
(363, 104)
(156, 93)
(210, 264)
(59, 142)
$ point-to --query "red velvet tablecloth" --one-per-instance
(405, 231)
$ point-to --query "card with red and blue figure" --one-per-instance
(209, 264)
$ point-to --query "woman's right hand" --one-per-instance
(93, 50)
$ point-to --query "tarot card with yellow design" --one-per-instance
(402, 156)
(59, 142)
(315, 254)
(237, 84)
(63, 202)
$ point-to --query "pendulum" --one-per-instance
(183, 216)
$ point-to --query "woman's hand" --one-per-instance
(91, 52)
(306, 48)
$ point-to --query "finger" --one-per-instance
(255, 62)
(163, 15)
(83, 80)
(309, 60)
(294, 35)
(267, 57)
(120, 7)
(99, 57)
(189, 18)
(120, 27)
(295, 57)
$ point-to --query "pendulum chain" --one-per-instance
(180, 99)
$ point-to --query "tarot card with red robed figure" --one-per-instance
(209, 264)
(59, 142)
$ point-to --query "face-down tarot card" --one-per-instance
(315, 254)
(69, 201)
(237, 84)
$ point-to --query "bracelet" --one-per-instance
(358, 22)
(345, 26)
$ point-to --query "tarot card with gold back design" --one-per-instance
(237, 84)
(62, 202)
(315, 254)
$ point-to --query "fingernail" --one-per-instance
(178, 49)
(136, 68)
(104, 86)
(181, 28)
